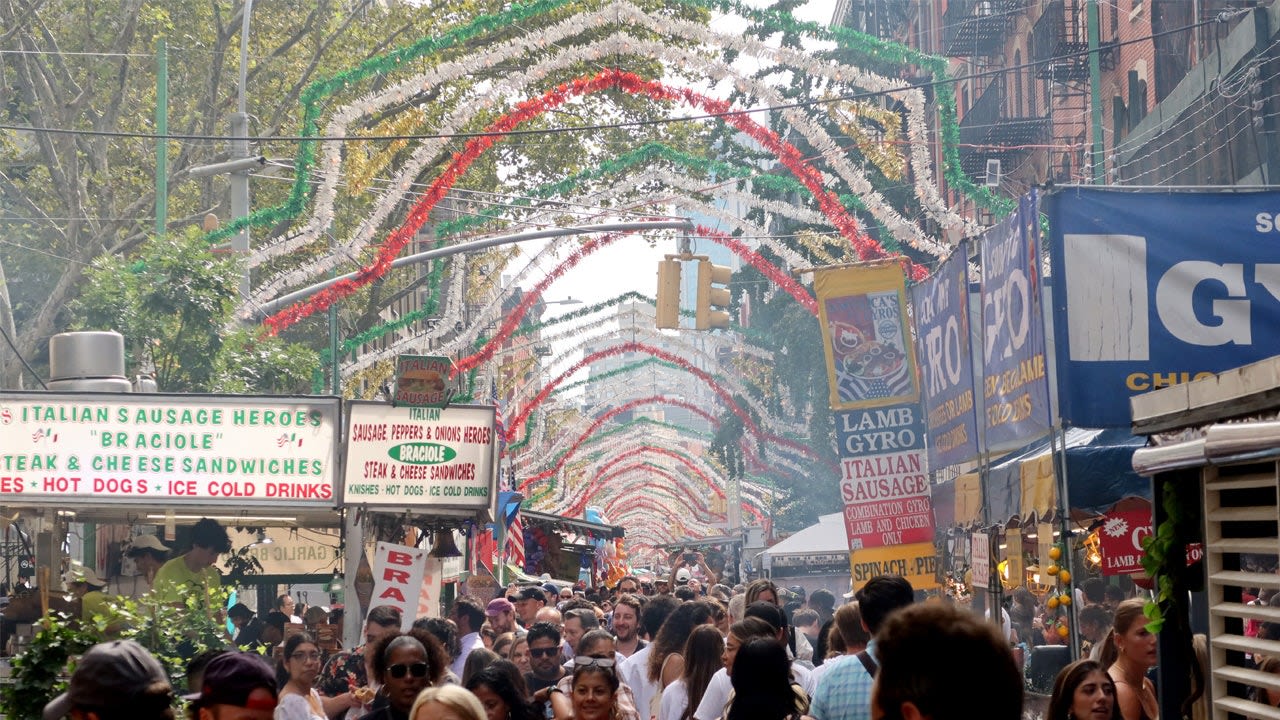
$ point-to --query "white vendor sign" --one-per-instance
(419, 457)
(183, 449)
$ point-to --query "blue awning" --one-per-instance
(1099, 473)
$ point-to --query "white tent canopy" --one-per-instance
(827, 537)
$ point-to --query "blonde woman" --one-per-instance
(447, 702)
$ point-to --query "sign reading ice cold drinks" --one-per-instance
(181, 448)
(411, 456)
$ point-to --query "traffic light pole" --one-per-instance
(270, 308)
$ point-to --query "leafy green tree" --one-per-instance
(171, 304)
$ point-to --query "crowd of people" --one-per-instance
(682, 647)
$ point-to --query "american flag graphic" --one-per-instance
(515, 542)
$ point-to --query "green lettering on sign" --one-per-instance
(422, 453)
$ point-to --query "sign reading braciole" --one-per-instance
(418, 456)
(179, 448)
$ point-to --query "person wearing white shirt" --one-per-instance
(468, 614)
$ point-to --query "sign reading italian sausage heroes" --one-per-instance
(409, 456)
(173, 448)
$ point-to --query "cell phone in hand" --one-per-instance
(691, 558)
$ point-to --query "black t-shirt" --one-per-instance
(535, 684)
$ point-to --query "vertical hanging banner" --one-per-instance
(1153, 289)
(880, 427)
(1015, 381)
(940, 314)
(398, 572)
(863, 312)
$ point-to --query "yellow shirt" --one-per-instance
(93, 603)
(175, 573)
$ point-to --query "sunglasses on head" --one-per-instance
(543, 652)
(587, 661)
(418, 669)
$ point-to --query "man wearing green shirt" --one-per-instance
(196, 566)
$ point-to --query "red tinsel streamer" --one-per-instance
(595, 425)
(725, 397)
(512, 322)
(608, 79)
(650, 473)
(604, 474)
(659, 399)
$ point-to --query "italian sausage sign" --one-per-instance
(419, 456)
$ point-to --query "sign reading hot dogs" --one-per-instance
(154, 447)
(419, 456)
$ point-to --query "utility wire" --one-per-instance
(1221, 17)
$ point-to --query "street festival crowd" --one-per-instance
(678, 647)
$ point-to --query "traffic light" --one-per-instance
(713, 301)
(668, 301)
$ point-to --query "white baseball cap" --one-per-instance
(683, 575)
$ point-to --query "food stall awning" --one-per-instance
(826, 537)
(1099, 472)
(595, 531)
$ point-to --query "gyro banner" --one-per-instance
(1015, 381)
(1155, 289)
(940, 312)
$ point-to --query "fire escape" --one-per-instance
(1002, 120)
(1059, 47)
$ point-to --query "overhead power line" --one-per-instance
(870, 94)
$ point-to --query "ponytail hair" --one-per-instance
(1127, 613)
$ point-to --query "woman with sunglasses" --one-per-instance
(298, 698)
(400, 664)
(595, 688)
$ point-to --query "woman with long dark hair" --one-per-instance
(298, 698)
(595, 685)
(1083, 691)
(1128, 652)
(701, 653)
(495, 686)
(762, 687)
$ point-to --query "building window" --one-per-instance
(1017, 83)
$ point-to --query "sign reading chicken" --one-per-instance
(422, 381)
(869, 352)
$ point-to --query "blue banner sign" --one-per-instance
(1015, 384)
(941, 315)
(1154, 289)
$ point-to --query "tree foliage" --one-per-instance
(171, 303)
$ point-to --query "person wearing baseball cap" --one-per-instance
(118, 680)
(236, 686)
(147, 554)
(86, 586)
(502, 616)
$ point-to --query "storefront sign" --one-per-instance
(181, 449)
(398, 572)
(419, 457)
(291, 551)
(868, 348)
(1120, 541)
(883, 480)
(422, 381)
(940, 313)
(980, 560)
(917, 563)
(1015, 380)
(1156, 289)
